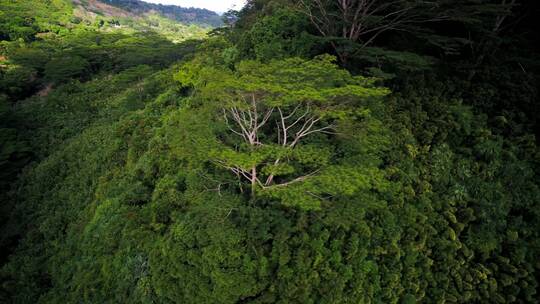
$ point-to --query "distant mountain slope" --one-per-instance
(102, 8)
(185, 15)
(109, 17)
(54, 42)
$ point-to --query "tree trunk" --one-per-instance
(253, 180)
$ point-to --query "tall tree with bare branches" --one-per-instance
(362, 21)
(280, 120)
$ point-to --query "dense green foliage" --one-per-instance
(254, 167)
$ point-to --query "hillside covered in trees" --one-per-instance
(182, 14)
(312, 151)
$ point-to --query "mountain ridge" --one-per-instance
(188, 15)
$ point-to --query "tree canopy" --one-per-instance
(391, 158)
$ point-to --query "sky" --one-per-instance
(219, 6)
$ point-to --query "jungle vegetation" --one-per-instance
(312, 151)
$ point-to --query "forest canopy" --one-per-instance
(314, 151)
